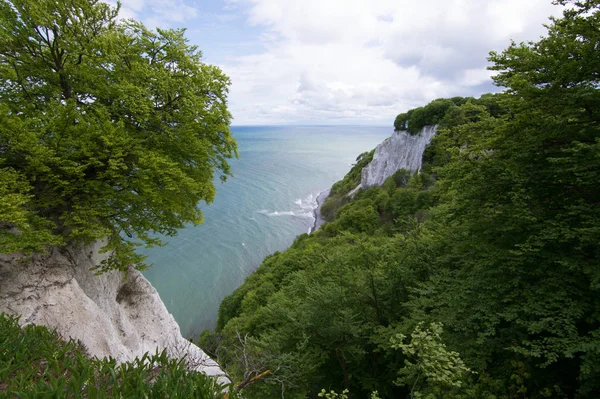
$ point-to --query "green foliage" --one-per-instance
(111, 129)
(428, 358)
(338, 194)
(36, 363)
(447, 112)
(415, 120)
(352, 179)
(403, 203)
(333, 394)
(401, 177)
(496, 239)
(343, 395)
(357, 217)
(33, 231)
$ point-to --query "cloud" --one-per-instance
(157, 13)
(367, 60)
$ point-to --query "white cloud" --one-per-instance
(367, 60)
(157, 13)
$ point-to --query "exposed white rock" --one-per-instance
(400, 151)
(116, 315)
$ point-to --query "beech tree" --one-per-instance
(108, 130)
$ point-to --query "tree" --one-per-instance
(429, 360)
(524, 215)
(107, 129)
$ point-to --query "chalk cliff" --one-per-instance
(400, 151)
(114, 314)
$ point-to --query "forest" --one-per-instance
(478, 277)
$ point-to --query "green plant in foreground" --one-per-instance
(333, 394)
(428, 361)
(36, 363)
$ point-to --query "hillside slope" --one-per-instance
(477, 278)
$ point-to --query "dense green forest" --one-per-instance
(477, 278)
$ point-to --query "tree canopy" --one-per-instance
(107, 129)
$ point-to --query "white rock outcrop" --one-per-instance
(400, 151)
(114, 314)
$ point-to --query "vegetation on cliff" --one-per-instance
(338, 195)
(107, 129)
(477, 278)
(36, 363)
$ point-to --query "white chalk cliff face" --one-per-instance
(111, 314)
(400, 151)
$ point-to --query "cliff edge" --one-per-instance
(115, 314)
(400, 151)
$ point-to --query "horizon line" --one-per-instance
(309, 125)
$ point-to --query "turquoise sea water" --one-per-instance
(261, 209)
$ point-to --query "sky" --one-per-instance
(346, 62)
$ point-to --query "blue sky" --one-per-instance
(346, 61)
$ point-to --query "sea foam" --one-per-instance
(305, 208)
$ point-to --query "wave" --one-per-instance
(305, 208)
(309, 202)
(283, 213)
(309, 215)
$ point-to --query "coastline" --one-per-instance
(215, 258)
(317, 215)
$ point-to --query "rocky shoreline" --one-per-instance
(318, 218)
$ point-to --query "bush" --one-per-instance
(360, 216)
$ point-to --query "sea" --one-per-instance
(269, 200)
